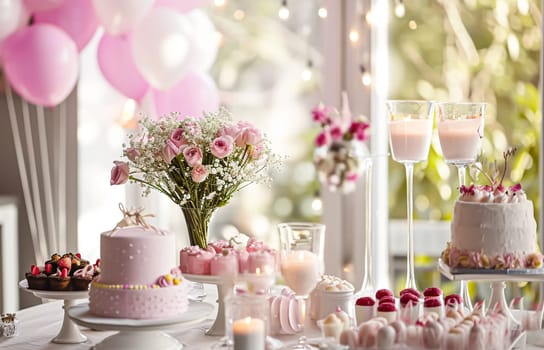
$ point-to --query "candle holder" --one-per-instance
(247, 321)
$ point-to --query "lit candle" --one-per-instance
(260, 280)
(410, 139)
(300, 269)
(248, 334)
(460, 139)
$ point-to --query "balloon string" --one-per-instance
(46, 179)
(34, 178)
(61, 178)
(23, 172)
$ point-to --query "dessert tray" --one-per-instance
(69, 333)
(139, 334)
(511, 275)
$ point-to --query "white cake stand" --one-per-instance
(224, 289)
(496, 278)
(139, 334)
(69, 333)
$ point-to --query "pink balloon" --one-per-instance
(194, 94)
(75, 17)
(118, 67)
(41, 63)
(182, 6)
(42, 5)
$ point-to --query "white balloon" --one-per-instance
(160, 48)
(11, 12)
(120, 16)
(203, 41)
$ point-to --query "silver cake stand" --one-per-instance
(69, 333)
(139, 334)
(496, 278)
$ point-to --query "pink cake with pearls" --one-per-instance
(137, 279)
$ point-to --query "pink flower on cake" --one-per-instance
(119, 173)
(199, 173)
(534, 261)
(193, 155)
(170, 151)
(222, 146)
(515, 188)
(177, 137)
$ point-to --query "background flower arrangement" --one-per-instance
(197, 162)
(340, 146)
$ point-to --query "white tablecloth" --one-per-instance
(39, 324)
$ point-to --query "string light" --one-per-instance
(307, 72)
(369, 17)
(353, 36)
(322, 12)
(412, 25)
(283, 12)
(239, 15)
(127, 118)
(400, 10)
(219, 3)
(366, 77)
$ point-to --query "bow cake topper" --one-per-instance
(134, 217)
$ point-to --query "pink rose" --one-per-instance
(248, 136)
(177, 137)
(358, 130)
(199, 173)
(132, 154)
(193, 155)
(119, 173)
(222, 146)
(322, 139)
(230, 130)
(170, 151)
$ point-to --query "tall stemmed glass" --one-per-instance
(460, 131)
(410, 129)
(301, 262)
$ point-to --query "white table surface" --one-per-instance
(39, 324)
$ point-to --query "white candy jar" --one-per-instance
(330, 294)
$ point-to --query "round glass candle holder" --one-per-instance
(247, 321)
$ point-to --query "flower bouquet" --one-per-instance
(340, 147)
(197, 162)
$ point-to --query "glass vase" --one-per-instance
(198, 222)
(339, 165)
